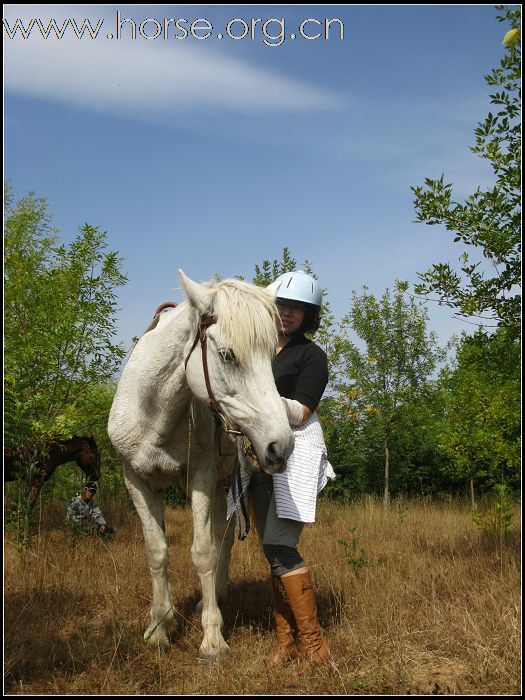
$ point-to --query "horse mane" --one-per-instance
(246, 318)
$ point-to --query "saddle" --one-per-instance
(160, 309)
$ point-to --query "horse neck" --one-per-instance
(167, 344)
(65, 451)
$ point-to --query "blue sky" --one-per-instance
(212, 155)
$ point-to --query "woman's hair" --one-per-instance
(312, 319)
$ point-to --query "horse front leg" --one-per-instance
(149, 505)
(36, 486)
(205, 553)
(223, 535)
(223, 532)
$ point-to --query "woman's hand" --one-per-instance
(296, 412)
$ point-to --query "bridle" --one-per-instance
(201, 336)
(222, 422)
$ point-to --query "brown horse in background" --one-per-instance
(82, 450)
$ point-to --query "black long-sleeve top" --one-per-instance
(300, 371)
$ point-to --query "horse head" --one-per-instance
(88, 457)
(240, 342)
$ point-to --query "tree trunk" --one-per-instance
(472, 495)
(386, 495)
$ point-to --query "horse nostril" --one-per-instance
(274, 453)
(271, 450)
(275, 460)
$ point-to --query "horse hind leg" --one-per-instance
(150, 508)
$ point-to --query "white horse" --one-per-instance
(164, 431)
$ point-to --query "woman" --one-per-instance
(283, 503)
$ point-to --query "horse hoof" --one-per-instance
(207, 659)
(212, 659)
(157, 641)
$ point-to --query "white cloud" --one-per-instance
(150, 78)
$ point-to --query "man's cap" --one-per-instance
(91, 486)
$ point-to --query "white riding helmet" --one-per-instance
(297, 286)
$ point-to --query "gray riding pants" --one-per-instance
(279, 536)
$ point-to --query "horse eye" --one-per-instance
(228, 355)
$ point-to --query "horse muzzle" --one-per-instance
(276, 456)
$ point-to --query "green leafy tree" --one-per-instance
(416, 448)
(489, 221)
(354, 438)
(480, 433)
(59, 322)
(268, 271)
(392, 365)
(354, 446)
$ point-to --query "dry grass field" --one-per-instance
(415, 601)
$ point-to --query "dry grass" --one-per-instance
(416, 601)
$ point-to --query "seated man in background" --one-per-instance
(84, 509)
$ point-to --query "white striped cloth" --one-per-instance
(307, 473)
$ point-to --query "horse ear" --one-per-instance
(198, 295)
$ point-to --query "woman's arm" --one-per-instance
(312, 379)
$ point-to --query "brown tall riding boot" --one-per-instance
(285, 628)
(300, 593)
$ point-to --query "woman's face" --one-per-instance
(291, 314)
